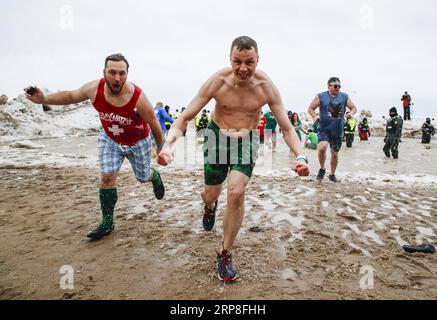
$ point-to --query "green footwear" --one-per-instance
(158, 186)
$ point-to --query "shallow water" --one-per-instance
(364, 159)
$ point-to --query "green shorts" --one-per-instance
(223, 154)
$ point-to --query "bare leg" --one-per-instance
(322, 153)
(234, 215)
(334, 161)
(108, 180)
(211, 194)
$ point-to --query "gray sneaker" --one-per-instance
(321, 174)
(332, 178)
(225, 269)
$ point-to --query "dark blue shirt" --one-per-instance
(332, 111)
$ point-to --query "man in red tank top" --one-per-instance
(125, 114)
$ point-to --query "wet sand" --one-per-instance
(313, 240)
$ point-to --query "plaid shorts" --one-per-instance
(112, 154)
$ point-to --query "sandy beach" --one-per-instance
(309, 246)
(300, 239)
(115, 65)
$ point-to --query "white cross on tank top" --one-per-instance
(116, 130)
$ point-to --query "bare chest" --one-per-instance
(240, 99)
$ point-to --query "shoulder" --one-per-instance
(321, 94)
(344, 95)
(215, 82)
(89, 89)
(220, 77)
(135, 87)
(91, 86)
(263, 80)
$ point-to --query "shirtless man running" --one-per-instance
(240, 92)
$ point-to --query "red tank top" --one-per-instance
(124, 125)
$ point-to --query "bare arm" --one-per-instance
(204, 95)
(146, 111)
(312, 108)
(352, 107)
(288, 131)
(87, 91)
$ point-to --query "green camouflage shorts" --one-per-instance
(223, 154)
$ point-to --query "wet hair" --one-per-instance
(116, 57)
(244, 43)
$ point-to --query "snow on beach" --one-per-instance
(20, 119)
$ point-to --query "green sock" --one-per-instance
(155, 178)
(108, 199)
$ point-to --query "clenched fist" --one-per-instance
(301, 169)
(164, 158)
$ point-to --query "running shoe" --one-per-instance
(321, 174)
(332, 178)
(209, 217)
(225, 270)
(100, 232)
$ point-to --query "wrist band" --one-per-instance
(302, 158)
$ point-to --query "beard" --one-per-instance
(114, 90)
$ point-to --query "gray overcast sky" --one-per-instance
(379, 49)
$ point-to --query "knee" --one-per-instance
(210, 197)
(108, 180)
(236, 194)
(207, 198)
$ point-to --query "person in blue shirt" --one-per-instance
(332, 104)
(162, 116)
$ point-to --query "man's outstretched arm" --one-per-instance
(204, 95)
(288, 131)
(64, 97)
